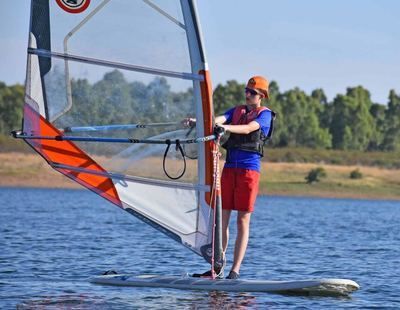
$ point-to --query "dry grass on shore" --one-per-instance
(289, 179)
(30, 170)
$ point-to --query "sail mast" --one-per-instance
(210, 149)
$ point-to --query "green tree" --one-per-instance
(378, 113)
(324, 111)
(11, 106)
(138, 93)
(352, 125)
(299, 118)
(273, 90)
(158, 100)
(319, 95)
(228, 96)
(182, 104)
(84, 111)
(274, 103)
(391, 139)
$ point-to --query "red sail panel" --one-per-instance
(67, 153)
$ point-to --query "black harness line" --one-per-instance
(178, 146)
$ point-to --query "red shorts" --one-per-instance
(239, 189)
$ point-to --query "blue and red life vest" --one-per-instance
(254, 141)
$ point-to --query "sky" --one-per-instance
(307, 44)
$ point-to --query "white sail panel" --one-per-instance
(172, 208)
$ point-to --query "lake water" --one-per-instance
(53, 240)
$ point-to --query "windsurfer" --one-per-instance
(249, 125)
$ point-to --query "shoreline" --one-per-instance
(277, 179)
(268, 194)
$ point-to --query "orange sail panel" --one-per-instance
(67, 153)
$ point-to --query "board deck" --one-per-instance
(327, 287)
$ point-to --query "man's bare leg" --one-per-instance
(226, 214)
(242, 238)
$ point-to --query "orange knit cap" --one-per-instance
(259, 83)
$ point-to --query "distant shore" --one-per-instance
(30, 170)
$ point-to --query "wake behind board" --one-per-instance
(324, 287)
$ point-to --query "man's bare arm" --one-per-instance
(219, 120)
(242, 129)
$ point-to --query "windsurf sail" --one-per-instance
(108, 84)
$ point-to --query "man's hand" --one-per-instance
(219, 130)
(189, 122)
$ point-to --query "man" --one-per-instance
(249, 126)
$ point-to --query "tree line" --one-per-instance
(351, 121)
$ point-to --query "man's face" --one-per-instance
(253, 97)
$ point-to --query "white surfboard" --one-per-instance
(328, 287)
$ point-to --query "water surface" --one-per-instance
(53, 240)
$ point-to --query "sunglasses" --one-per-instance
(251, 91)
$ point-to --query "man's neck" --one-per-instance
(251, 107)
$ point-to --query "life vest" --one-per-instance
(255, 140)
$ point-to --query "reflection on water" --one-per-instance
(209, 300)
(222, 300)
(54, 240)
(62, 302)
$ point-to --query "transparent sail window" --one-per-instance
(131, 32)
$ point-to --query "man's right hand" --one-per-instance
(189, 122)
(219, 130)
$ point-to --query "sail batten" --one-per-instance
(115, 65)
(187, 186)
(61, 137)
(118, 127)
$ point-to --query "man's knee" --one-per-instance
(243, 222)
